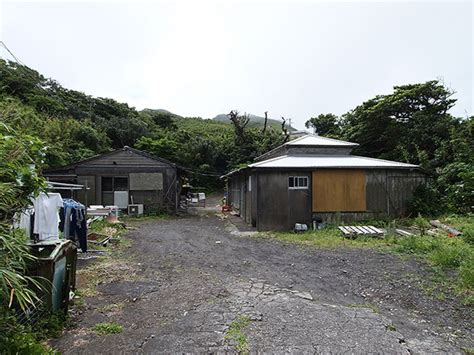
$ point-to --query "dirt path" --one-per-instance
(200, 288)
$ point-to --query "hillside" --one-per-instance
(72, 126)
(255, 121)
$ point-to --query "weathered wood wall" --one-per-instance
(122, 163)
(279, 208)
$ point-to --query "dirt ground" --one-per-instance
(196, 278)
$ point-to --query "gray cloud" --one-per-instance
(204, 58)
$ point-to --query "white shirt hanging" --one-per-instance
(23, 220)
(47, 215)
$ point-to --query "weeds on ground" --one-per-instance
(236, 334)
(112, 307)
(107, 328)
(329, 237)
(18, 338)
(109, 267)
(442, 253)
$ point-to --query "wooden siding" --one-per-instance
(339, 190)
(272, 210)
(400, 187)
(278, 207)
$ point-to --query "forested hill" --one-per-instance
(74, 126)
(412, 124)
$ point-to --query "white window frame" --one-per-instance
(296, 180)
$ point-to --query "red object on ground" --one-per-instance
(226, 208)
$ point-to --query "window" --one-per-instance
(120, 184)
(250, 183)
(107, 184)
(114, 183)
(298, 182)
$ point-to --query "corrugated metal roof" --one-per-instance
(329, 161)
(314, 140)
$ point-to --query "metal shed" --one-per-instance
(316, 178)
(123, 177)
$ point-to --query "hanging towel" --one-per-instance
(47, 216)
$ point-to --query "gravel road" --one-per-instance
(196, 278)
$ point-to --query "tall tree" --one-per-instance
(325, 125)
(407, 125)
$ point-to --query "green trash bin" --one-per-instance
(56, 265)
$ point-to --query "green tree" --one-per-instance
(409, 124)
(325, 125)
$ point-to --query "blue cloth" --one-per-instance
(74, 225)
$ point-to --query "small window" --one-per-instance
(107, 184)
(250, 183)
(110, 184)
(120, 184)
(298, 182)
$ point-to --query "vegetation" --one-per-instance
(19, 154)
(413, 125)
(445, 255)
(111, 266)
(236, 334)
(76, 126)
(44, 125)
(107, 328)
(30, 338)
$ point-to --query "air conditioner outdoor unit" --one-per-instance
(135, 210)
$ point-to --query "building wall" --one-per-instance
(150, 182)
(388, 193)
(278, 207)
(275, 207)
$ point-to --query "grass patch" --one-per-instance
(107, 328)
(112, 307)
(147, 217)
(107, 270)
(236, 334)
(109, 267)
(446, 256)
(329, 237)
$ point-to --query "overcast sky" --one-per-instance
(202, 58)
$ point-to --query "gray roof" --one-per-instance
(318, 141)
(329, 161)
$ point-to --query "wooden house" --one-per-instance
(313, 178)
(122, 177)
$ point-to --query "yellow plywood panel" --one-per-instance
(339, 190)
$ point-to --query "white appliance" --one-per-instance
(135, 210)
(121, 199)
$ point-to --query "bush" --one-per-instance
(426, 200)
(450, 253)
(417, 245)
(16, 338)
(468, 234)
(466, 273)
